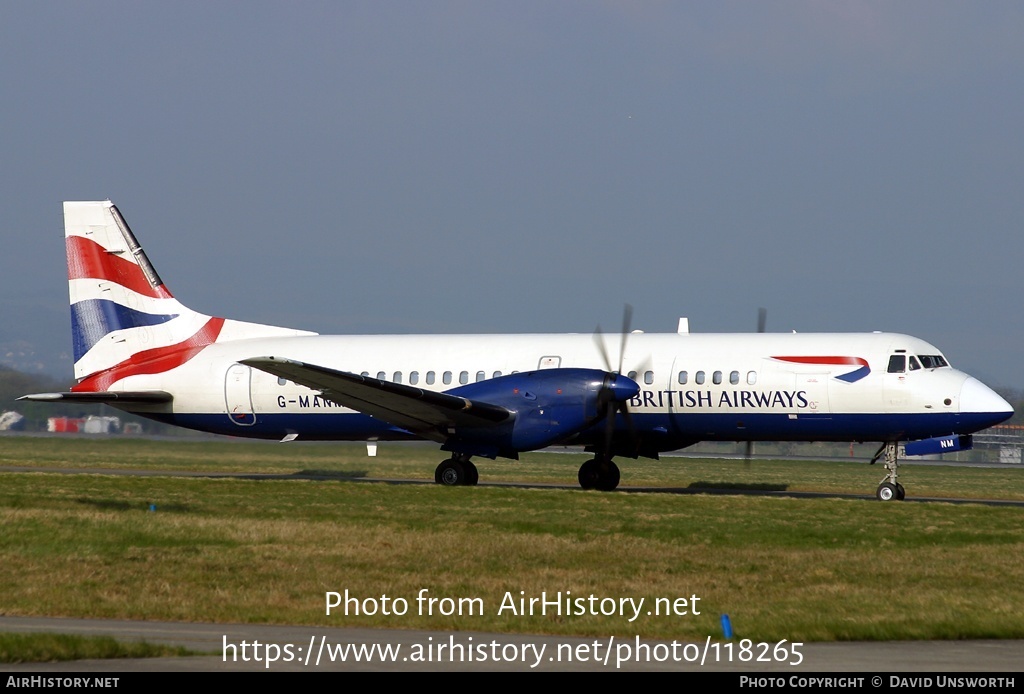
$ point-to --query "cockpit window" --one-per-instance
(897, 364)
(933, 361)
(914, 363)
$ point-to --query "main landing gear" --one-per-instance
(599, 473)
(457, 471)
(889, 489)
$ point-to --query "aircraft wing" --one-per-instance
(423, 412)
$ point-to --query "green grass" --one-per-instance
(267, 551)
(47, 648)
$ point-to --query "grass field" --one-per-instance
(44, 648)
(252, 551)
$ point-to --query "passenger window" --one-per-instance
(463, 377)
(282, 381)
(414, 377)
(751, 378)
(381, 376)
(447, 378)
(632, 375)
(734, 377)
(480, 375)
(648, 377)
(914, 363)
(364, 374)
(717, 377)
(430, 378)
(897, 364)
(699, 378)
(682, 378)
(496, 374)
(397, 377)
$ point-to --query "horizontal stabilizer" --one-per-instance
(423, 412)
(142, 396)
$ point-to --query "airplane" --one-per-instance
(138, 349)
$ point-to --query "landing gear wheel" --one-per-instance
(599, 474)
(608, 473)
(589, 475)
(890, 489)
(472, 476)
(450, 473)
(887, 492)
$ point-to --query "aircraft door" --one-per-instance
(238, 396)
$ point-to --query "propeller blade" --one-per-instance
(613, 409)
(629, 425)
(615, 393)
(602, 348)
(616, 389)
(609, 427)
(627, 319)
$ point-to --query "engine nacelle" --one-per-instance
(549, 405)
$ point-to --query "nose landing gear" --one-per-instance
(890, 489)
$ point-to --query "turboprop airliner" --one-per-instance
(496, 396)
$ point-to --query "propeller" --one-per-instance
(616, 389)
(762, 321)
(627, 317)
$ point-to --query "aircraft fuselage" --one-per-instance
(693, 387)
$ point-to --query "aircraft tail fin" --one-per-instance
(121, 311)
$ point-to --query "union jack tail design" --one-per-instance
(124, 320)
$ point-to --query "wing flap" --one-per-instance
(422, 412)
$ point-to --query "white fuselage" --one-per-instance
(761, 386)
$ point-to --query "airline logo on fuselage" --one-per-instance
(732, 399)
(788, 400)
(849, 377)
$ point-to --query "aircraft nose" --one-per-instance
(977, 398)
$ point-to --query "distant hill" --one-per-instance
(35, 338)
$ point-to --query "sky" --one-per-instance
(449, 166)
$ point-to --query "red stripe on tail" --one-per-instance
(154, 361)
(89, 260)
